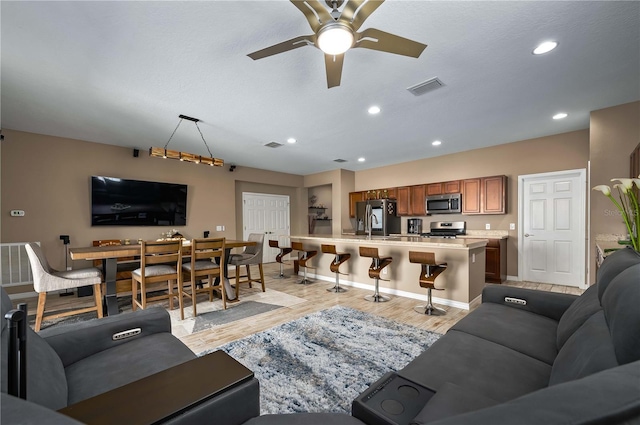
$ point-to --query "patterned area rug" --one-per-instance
(210, 314)
(321, 362)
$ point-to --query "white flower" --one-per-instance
(627, 183)
(604, 189)
(621, 187)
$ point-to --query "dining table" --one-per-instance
(109, 256)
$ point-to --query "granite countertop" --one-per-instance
(457, 243)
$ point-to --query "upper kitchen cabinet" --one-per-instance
(485, 195)
(451, 187)
(443, 188)
(402, 197)
(353, 198)
(417, 198)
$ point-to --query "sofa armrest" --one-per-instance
(171, 396)
(549, 304)
(70, 341)
(451, 400)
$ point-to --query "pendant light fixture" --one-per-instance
(185, 156)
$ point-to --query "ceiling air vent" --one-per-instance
(339, 160)
(273, 145)
(426, 86)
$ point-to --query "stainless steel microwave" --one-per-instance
(450, 203)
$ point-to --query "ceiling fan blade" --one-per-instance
(285, 46)
(355, 12)
(334, 69)
(315, 12)
(374, 39)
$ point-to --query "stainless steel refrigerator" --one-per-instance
(378, 215)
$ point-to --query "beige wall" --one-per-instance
(48, 178)
(553, 153)
(615, 132)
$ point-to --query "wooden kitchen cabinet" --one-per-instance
(417, 198)
(402, 198)
(496, 261)
(434, 189)
(451, 187)
(485, 195)
(353, 198)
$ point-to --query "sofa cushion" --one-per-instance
(613, 265)
(46, 381)
(478, 365)
(18, 411)
(305, 419)
(605, 398)
(587, 351)
(123, 364)
(582, 308)
(621, 303)
(520, 330)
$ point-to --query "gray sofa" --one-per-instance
(559, 359)
(67, 365)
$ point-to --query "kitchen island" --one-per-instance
(462, 281)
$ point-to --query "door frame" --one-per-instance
(582, 175)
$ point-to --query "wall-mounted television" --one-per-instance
(121, 202)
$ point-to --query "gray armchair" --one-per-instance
(86, 369)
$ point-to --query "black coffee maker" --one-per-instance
(414, 226)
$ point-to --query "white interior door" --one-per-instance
(552, 227)
(268, 214)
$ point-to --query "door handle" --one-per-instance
(526, 235)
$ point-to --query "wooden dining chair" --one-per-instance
(160, 261)
(202, 264)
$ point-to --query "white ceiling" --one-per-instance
(120, 72)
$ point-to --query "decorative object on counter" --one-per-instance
(377, 264)
(627, 205)
(184, 156)
(340, 257)
(428, 274)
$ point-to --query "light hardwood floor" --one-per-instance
(317, 298)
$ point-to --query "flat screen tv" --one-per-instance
(121, 202)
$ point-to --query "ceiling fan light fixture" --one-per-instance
(335, 38)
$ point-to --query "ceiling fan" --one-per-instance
(335, 32)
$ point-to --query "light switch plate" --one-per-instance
(487, 226)
(512, 226)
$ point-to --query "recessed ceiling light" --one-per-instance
(291, 140)
(360, 159)
(560, 115)
(374, 110)
(545, 47)
(436, 143)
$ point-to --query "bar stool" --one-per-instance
(375, 269)
(335, 265)
(302, 259)
(284, 250)
(428, 275)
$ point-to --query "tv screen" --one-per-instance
(120, 202)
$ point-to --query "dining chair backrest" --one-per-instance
(256, 249)
(160, 252)
(207, 248)
(39, 266)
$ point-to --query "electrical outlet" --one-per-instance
(385, 270)
(219, 228)
(487, 226)
(473, 258)
(512, 226)
(17, 213)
